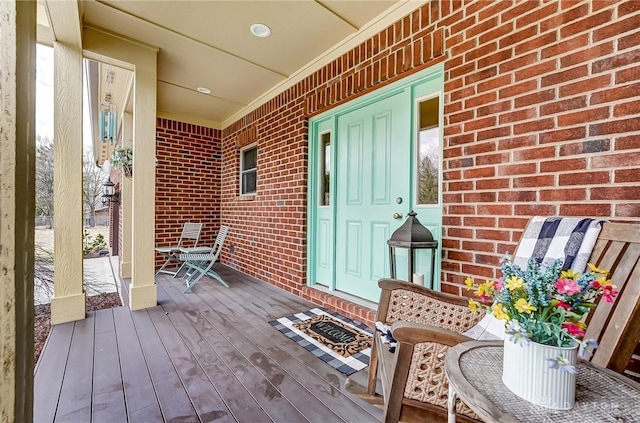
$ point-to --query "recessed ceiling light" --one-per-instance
(260, 30)
(204, 90)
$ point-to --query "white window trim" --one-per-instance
(243, 171)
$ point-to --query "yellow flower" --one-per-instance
(473, 305)
(485, 289)
(468, 282)
(569, 274)
(514, 283)
(524, 306)
(594, 269)
(499, 313)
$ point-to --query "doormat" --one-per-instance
(337, 340)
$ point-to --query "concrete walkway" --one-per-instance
(98, 278)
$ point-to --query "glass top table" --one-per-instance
(474, 370)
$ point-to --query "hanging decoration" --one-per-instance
(108, 113)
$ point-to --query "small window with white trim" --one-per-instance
(248, 170)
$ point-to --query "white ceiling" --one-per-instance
(208, 44)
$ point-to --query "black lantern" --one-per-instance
(412, 236)
(109, 194)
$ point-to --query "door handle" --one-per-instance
(397, 216)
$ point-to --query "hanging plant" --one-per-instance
(122, 159)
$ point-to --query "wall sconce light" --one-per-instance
(109, 194)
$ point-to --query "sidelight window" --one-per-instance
(325, 168)
(428, 166)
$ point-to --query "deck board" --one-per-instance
(50, 372)
(324, 381)
(75, 397)
(108, 392)
(173, 399)
(264, 393)
(203, 395)
(208, 355)
(140, 396)
(267, 389)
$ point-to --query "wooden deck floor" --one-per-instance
(210, 355)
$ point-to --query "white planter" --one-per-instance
(527, 374)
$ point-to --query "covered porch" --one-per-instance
(209, 355)
(537, 115)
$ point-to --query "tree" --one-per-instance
(428, 180)
(92, 179)
(44, 177)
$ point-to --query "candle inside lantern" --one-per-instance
(418, 278)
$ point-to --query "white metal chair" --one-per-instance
(200, 260)
(190, 231)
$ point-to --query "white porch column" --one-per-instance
(17, 206)
(143, 282)
(68, 302)
(126, 206)
(111, 48)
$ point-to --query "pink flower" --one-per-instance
(567, 286)
(574, 329)
(498, 286)
(564, 305)
(608, 293)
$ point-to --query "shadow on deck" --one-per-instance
(209, 355)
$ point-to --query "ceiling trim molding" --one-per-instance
(382, 21)
(212, 47)
(189, 119)
(337, 15)
(230, 100)
(120, 37)
(65, 20)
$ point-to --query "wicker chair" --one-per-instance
(425, 323)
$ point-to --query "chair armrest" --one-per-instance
(196, 250)
(416, 333)
(167, 250)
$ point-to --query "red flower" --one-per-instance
(574, 329)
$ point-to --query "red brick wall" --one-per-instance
(542, 101)
(541, 117)
(187, 181)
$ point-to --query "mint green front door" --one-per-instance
(374, 151)
(371, 161)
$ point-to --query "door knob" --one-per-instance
(397, 216)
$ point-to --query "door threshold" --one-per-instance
(343, 295)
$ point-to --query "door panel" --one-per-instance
(353, 248)
(380, 233)
(373, 158)
(354, 144)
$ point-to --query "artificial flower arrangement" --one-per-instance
(544, 305)
(122, 156)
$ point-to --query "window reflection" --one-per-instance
(325, 168)
(428, 166)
